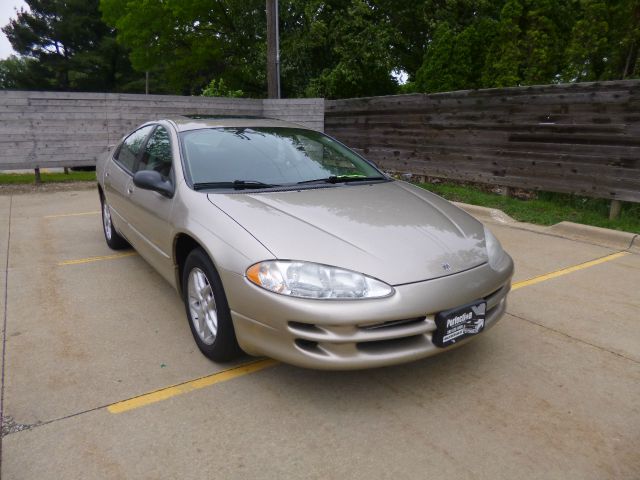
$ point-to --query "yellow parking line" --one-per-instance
(72, 214)
(96, 259)
(165, 393)
(564, 271)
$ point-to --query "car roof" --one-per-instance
(194, 122)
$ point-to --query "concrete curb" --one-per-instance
(574, 231)
(485, 213)
(635, 245)
(603, 236)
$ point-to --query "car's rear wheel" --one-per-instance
(113, 238)
(207, 308)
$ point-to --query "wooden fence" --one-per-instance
(578, 138)
(57, 129)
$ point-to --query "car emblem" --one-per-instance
(446, 267)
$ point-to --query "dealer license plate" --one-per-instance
(458, 323)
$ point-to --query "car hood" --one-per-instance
(393, 231)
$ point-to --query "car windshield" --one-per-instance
(262, 157)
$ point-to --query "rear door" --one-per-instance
(118, 179)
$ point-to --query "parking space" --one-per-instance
(550, 392)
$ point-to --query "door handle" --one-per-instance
(130, 189)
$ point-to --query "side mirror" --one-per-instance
(152, 180)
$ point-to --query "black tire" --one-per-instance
(112, 237)
(221, 345)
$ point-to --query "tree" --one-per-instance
(530, 42)
(220, 89)
(604, 41)
(188, 42)
(359, 39)
(626, 15)
(333, 48)
(455, 61)
(589, 46)
(74, 49)
(20, 73)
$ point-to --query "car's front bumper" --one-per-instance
(353, 334)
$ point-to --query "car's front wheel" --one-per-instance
(113, 238)
(207, 308)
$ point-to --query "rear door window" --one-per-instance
(131, 147)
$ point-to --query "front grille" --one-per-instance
(305, 327)
(395, 344)
(378, 337)
(308, 346)
(392, 323)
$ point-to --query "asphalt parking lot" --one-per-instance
(102, 379)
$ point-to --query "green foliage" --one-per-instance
(527, 42)
(20, 73)
(73, 48)
(503, 60)
(454, 61)
(359, 38)
(335, 49)
(184, 43)
(604, 41)
(587, 51)
(529, 46)
(220, 89)
(46, 177)
(331, 48)
(546, 208)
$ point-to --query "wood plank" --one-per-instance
(577, 138)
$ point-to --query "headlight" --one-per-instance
(494, 250)
(312, 280)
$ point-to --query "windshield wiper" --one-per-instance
(341, 179)
(236, 185)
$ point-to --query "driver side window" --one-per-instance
(130, 148)
(157, 153)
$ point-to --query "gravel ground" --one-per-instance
(9, 425)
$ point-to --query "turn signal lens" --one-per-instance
(495, 252)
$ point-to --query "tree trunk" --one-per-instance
(628, 62)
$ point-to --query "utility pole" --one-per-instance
(273, 50)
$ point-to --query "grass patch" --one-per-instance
(547, 209)
(53, 177)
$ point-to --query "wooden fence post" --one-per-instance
(38, 179)
(614, 210)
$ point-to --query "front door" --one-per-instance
(150, 211)
(118, 181)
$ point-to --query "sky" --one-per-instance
(7, 11)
